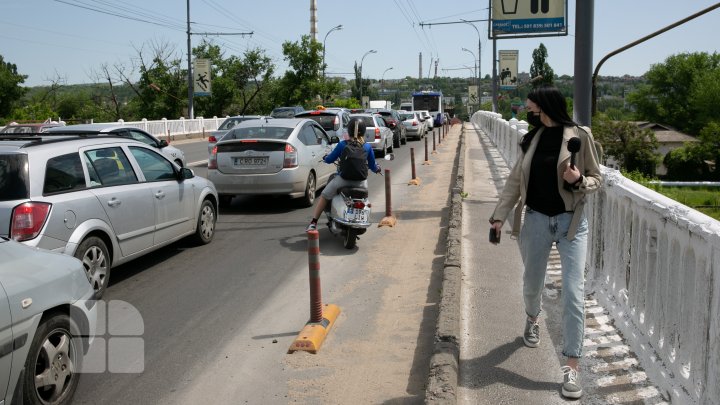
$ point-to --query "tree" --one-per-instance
(162, 88)
(633, 148)
(301, 84)
(10, 89)
(682, 92)
(541, 68)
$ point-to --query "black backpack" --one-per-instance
(353, 162)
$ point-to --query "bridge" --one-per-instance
(652, 286)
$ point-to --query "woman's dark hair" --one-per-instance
(553, 104)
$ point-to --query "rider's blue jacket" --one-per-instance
(335, 154)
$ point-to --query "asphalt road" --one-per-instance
(235, 304)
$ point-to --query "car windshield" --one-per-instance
(407, 116)
(14, 181)
(368, 121)
(327, 122)
(229, 123)
(259, 133)
(20, 129)
(287, 112)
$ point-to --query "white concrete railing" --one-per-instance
(165, 128)
(654, 264)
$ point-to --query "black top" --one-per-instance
(542, 194)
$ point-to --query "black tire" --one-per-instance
(94, 255)
(53, 363)
(350, 238)
(390, 149)
(404, 140)
(308, 199)
(205, 229)
(396, 142)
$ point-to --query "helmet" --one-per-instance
(356, 123)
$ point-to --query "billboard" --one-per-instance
(527, 18)
(508, 62)
(201, 78)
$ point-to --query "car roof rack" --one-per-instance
(40, 138)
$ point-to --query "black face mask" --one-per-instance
(534, 119)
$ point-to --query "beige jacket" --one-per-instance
(586, 160)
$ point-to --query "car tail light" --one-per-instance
(291, 158)
(377, 133)
(28, 219)
(414, 123)
(358, 204)
(212, 139)
(212, 160)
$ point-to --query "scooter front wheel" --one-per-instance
(350, 238)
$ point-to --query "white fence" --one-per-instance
(165, 128)
(654, 264)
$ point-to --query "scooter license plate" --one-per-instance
(356, 215)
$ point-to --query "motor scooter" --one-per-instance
(348, 213)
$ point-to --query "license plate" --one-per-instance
(356, 215)
(250, 161)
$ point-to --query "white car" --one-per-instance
(161, 145)
(47, 323)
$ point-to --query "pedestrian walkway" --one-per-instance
(495, 367)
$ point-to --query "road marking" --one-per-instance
(198, 163)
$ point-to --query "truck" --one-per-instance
(381, 104)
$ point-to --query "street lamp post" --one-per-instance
(479, 55)
(382, 80)
(335, 28)
(477, 78)
(361, 80)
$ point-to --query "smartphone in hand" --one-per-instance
(494, 236)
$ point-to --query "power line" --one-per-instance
(86, 7)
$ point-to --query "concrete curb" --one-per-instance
(444, 363)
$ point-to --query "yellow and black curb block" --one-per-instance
(312, 336)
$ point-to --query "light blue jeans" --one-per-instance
(538, 233)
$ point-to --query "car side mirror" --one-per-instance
(334, 139)
(163, 143)
(186, 173)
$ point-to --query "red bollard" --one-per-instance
(433, 135)
(415, 181)
(427, 161)
(389, 219)
(316, 313)
(439, 138)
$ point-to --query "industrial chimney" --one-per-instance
(313, 20)
(420, 67)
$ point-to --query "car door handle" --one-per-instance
(160, 195)
(114, 202)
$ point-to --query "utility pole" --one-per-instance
(191, 113)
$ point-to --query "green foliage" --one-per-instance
(682, 92)
(540, 67)
(10, 90)
(302, 84)
(345, 103)
(703, 199)
(632, 147)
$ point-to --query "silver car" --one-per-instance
(377, 134)
(414, 125)
(105, 200)
(161, 145)
(280, 156)
(47, 322)
(227, 125)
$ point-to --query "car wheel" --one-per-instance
(94, 255)
(404, 140)
(52, 368)
(389, 149)
(396, 143)
(205, 229)
(310, 189)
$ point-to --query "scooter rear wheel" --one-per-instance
(350, 238)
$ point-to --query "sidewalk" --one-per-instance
(494, 365)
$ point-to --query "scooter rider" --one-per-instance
(356, 132)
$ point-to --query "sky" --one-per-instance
(65, 39)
